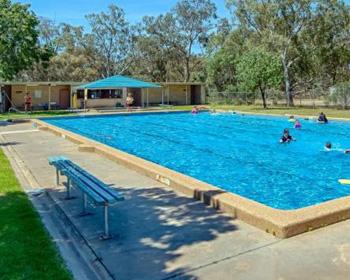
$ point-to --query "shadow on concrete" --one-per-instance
(12, 143)
(159, 234)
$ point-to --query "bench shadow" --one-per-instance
(159, 234)
(12, 143)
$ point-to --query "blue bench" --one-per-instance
(93, 190)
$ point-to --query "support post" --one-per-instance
(85, 98)
(162, 96)
(49, 105)
(57, 177)
(68, 189)
(147, 97)
(186, 95)
(106, 234)
(168, 95)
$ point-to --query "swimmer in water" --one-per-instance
(286, 137)
(328, 148)
(322, 118)
(297, 124)
(291, 119)
(195, 110)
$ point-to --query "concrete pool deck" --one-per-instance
(280, 223)
(162, 234)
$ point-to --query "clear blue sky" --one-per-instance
(73, 11)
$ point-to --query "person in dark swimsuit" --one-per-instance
(322, 118)
(286, 137)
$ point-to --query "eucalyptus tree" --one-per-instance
(278, 24)
(113, 39)
(155, 49)
(194, 20)
(329, 37)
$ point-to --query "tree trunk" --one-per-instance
(263, 97)
(287, 83)
(187, 70)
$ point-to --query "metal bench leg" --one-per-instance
(57, 177)
(106, 234)
(68, 192)
(68, 189)
(84, 212)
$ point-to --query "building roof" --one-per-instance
(118, 82)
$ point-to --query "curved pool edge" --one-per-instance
(280, 223)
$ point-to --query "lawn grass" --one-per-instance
(35, 114)
(281, 110)
(26, 250)
(274, 110)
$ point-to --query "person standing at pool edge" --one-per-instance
(286, 137)
(27, 102)
(129, 101)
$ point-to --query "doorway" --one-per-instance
(195, 94)
(64, 98)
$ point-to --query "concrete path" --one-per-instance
(162, 234)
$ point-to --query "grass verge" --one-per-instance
(280, 110)
(26, 250)
(34, 114)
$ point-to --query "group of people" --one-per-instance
(287, 138)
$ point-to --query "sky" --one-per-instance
(73, 11)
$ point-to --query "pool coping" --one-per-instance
(280, 223)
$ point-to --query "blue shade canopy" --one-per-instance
(118, 82)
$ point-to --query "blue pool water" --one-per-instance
(240, 154)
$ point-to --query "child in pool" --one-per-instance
(322, 118)
(194, 110)
(291, 119)
(297, 124)
(286, 137)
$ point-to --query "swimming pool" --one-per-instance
(238, 153)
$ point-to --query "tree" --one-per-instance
(18, 38)
(280, 25)
(224, 49)
(113, 40)
(340, 94)
(259, 70)
(329, 38)
(194, 20)
(154, 49)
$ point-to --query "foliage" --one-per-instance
(259, 70)
(310, 38)
(113, 41)
(18, 38)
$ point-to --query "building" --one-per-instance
(105, 93)
(45, 95)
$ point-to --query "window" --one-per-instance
(101, 94)
(38, 94)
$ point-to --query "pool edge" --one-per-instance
(280, 223)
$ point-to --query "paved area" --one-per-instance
(162, 234)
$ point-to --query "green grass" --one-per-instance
(275, 110)
(280, 110)
(26, 250)
(35, 114)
